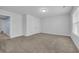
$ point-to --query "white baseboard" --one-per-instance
(31, 34)
(16, 36)
(75, 39)
(58, 34)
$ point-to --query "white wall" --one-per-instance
(32, 25)
(24, 24)
(74, 36)
(59, 25)
(1, 25)
(15, 23)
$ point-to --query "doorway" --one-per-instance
(4, 27)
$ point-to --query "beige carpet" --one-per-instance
(3, 37)
(40, 43)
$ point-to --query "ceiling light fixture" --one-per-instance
(43, 10)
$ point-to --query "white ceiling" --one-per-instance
(35, 10)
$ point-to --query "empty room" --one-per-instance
(39, 29)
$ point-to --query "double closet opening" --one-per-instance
(4, 26)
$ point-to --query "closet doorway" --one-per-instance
(4, 27)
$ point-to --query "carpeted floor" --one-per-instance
(39, 43)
